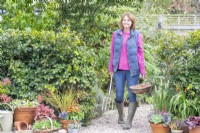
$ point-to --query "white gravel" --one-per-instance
(107, 123)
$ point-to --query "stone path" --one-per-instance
(107, 123)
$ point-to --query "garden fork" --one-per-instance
(108, 102)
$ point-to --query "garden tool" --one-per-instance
(108, 101)
(111, 78)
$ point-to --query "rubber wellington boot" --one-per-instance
(120, 109)
(131, 112)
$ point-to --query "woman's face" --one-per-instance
(126, 22)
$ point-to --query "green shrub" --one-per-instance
(34, 58)
(178, 58)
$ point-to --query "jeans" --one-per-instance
(121, 77)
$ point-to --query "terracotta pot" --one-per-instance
(20, 125)
(159, 128)
(185, 129)
(195, 130)
(65, 123)
(26, 114)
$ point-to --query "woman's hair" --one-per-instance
(130, 16)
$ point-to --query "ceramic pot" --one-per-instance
(72, 130)
(159, 128)
(195, 130)
(6, 120)
(177, 131)
(20, 125)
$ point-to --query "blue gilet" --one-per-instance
(132, 50)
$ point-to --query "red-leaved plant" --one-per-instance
(5, 98)
(4, 86)
(42, 112)
(5, 101)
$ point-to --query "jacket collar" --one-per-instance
(120, 32)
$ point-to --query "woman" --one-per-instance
(126, 64)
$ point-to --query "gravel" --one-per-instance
(107, 123)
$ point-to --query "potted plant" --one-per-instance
(160, 118)
(64, 102)
(59, 100)
(42, 112)
(74, 127)
(24, 110)
(6, 111)
(159, 121)
(194, 124)
(176, 126)
(46, 126)
(73, 115)
(6, 115)
(183, 104)
(45, 119)
(64, 119)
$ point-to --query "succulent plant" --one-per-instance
(160, 117)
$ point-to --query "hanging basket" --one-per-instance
(141, 88)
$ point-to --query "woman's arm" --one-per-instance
(140, 55)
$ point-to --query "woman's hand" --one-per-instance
(143, 76)
(111, 74)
